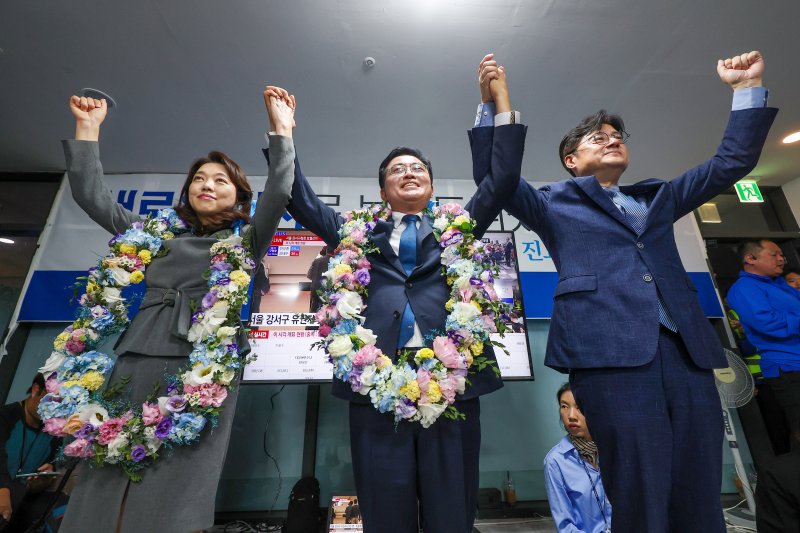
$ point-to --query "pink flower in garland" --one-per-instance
(74, 346)
(151, 414)
(423, 380)
(453, 209)
(210, 394)
(447, 352)
(327, 314)
(450, 237)
(79, 448)
(448, 387)
(55, 426)
(52, 384)
(366, 355)
(110, 429)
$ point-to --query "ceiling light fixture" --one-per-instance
(6, 241)
(709, 214)
(793, 138)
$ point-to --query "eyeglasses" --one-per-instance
(602, 138)
(400, 169)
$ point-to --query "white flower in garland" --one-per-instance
(350, 305)
(115, 432)
(340, 345)
(429, 390)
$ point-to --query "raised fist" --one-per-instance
(742, 71)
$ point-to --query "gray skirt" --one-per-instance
(177, 493)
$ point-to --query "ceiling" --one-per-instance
(188, 74)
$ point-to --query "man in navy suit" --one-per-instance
(626, 322)
(405, 472)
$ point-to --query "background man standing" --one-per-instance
(626, 322)
(404, 471)
(769, 311)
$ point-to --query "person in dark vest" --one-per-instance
(24, 449)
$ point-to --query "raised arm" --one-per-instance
(84, 170)
(304, 205)
(277, 191)
(497, 144)
(742, 141)
(505, 161)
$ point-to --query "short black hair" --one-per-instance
(561, 390)
(586, 126)
(397, 152)
(749, 247)
(787, 271)
(38, 379)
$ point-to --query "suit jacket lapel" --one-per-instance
(380, 236)
(425, 242)
(593, 190)
(648, 188)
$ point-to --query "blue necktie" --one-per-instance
(408, 258)
(636, 215)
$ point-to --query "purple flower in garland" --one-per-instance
(210, 299)
(362, 276)
(138, 453)
(163, 428)
(172, 387)
(476, 282)
(405, 409)
(221, 266)
(86, 432)
(176, 404)
(355, 378)
(223, 281)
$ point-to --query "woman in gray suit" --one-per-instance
(177, 492)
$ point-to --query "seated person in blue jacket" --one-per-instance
(575, 491)
(769, 311)
(792, 277)
(24, 449)
(403, 470)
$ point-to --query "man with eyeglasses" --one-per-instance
(404, 472)
(626, 322)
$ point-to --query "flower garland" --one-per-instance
(428, 390)
(109, 431)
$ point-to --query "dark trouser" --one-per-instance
(659, 431)
(411, 471)
(774, 419)
(787, 393)
(778, 495)
(27, 508)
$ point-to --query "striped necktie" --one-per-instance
(408, 258)
(636, 215)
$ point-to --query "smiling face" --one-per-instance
(407, 186)
(571, 416)
(211, 191)
(605, 160)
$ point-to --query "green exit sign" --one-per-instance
(748, 192)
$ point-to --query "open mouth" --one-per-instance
(408, 184)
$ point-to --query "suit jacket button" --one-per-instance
(409, 284)
(396, 315)
(640, 245)
(647, 277)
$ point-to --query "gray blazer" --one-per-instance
(176, 279)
